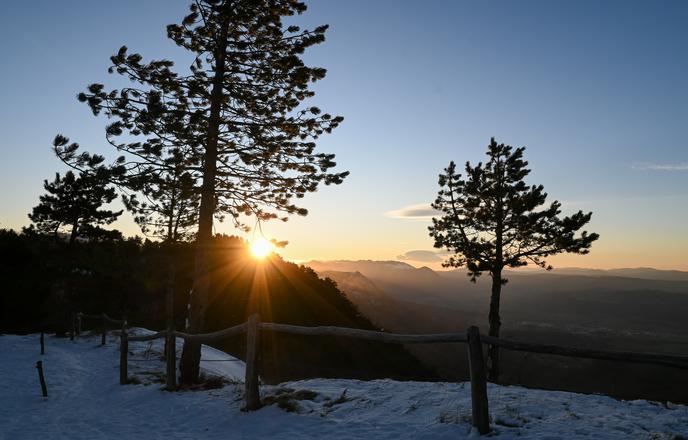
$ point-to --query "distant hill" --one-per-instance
(404, 277)
(391, 313)
(647, 273)
(369, 268)
(361, 291)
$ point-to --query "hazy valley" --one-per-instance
(624, 309)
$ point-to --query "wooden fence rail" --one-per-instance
(643, 358)
(476, 361)
(104, 320)
(159, 335)
(207, 337)
(102, 316)
(391, 338)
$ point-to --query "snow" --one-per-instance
(86, 402)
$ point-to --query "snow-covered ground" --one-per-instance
(86, 402)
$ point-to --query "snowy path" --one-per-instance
(86, 402)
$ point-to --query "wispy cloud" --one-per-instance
(661, 167)
(422, 211)
(424, 256)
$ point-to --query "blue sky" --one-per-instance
(596, 91)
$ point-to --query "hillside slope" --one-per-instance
(47, 281)
(286, 293)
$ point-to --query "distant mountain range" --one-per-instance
(647, 273)
(624, 300)
(635, 309)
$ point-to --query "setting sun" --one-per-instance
(261, 248)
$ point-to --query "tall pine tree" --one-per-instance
(492, 220)
(237, 118)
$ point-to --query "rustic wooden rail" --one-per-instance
(207, 337)
(170, 336)
(643, 358)
(475, 341)
(105, 319)
(101, 316)
(391, 338)
(144, 338)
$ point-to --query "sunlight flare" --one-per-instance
(261, 248)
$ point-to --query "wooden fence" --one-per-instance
(472, 338)
(104, 321)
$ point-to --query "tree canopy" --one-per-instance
(492, 219)
(75, 202)
(167, 207)
(248, 65)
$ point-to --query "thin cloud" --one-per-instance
(422, 211)
(661, 167)
(420, 255)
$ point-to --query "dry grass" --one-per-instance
(288, 398)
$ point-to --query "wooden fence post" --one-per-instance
(123, 352)
(42, 343)
(103, 329)
(72, 326)
(251, 385)
(41, 378)
(476, 363)
(78, 324)
(171, 358)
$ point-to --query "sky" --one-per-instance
(597, 92)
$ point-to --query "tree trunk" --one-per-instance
(495, 324)
(496, 272)
(171, 238)
(72, 236)
(198, 298)
(169, 296)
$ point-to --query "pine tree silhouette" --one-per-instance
(491, 220)
(75, 202)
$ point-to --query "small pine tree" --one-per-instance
(74, 203)
(491, 220)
